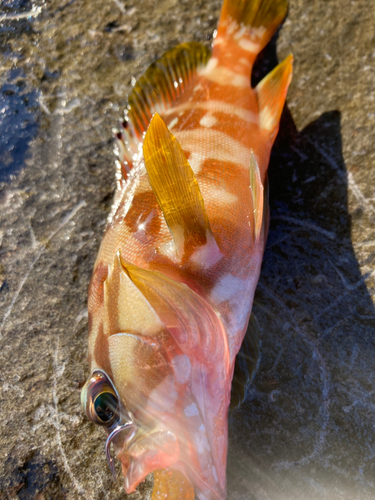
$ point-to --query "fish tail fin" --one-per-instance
(251, 23)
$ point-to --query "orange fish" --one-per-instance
(173, 284)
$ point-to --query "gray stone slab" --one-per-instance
(306, 429)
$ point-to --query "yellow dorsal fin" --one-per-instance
(176, 188)
(125, 307)
(163, 82)
(257, 196)
(271, 93)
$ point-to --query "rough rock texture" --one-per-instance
(306, 430)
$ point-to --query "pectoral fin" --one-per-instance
(125, 308)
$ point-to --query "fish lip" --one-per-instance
(137, 463)
(111, 436)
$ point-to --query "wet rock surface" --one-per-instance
(306, 429)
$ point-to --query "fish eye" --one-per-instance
(105, 405)
(100, 400)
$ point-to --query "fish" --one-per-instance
(173, 285)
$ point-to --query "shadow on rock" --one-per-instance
(19, 122)
(36, 478)
(310, 402)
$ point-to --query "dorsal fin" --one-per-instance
(257, 196)
(125, 307)
(176, 188)
(126, 147)
(271, 93)
(163, 82)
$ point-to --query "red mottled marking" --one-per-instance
(102, 352)
(96, 289)
(241, 130)
(220, 174)
(186, 274)
(144, 205)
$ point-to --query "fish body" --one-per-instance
(173, 284)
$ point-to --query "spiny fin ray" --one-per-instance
(163, 82)
(257, 196)
(271, 93)
(176, 188)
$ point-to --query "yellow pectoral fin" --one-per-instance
(176, 188)
(271, 93)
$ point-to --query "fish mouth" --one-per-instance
(146, 452)
(113, 437)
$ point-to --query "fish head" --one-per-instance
(160, 363)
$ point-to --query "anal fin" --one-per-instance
(271, 93)
(176, 189)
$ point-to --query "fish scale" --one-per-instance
(173, 284)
